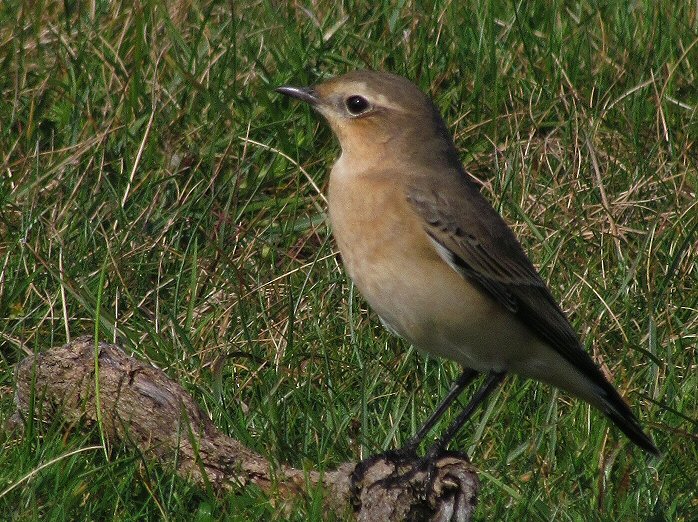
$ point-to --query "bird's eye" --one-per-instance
(357, 104)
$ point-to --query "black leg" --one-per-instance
(428, 462)
(493, 380)
(456, 388)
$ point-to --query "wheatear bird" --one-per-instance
(433, 258)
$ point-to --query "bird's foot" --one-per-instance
(431, 480)
(400, 469)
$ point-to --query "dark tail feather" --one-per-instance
(618, 411)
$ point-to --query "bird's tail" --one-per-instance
(616, 409)
(592, 386)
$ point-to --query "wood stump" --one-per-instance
(140, 405)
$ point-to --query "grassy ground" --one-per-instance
(156, 190)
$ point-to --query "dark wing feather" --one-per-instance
(486, 252)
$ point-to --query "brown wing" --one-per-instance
(485, 251)
(481, 246)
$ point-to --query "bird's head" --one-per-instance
(367, 110)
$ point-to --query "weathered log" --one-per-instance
(140, 405)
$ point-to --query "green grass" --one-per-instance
(145, 159)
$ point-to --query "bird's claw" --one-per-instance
(407, 467)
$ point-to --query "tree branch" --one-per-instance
(140, 405)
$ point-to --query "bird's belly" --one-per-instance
(418, 296)
(440, 314)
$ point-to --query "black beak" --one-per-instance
(306, 94)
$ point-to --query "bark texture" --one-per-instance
(141, 406)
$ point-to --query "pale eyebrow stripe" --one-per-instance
(379, 99)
